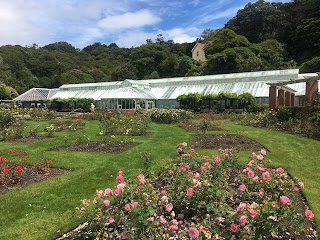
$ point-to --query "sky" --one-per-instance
(128, 23)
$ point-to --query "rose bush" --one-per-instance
(205, 197)
(13, 165)
(123, 124)
(168, 116)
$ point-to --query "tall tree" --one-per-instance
(61, 47)
(258, 21)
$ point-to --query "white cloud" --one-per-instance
(129, 20)
(126, 22)
(181, 35)
(43, 22)
(133, 38)
(228, 13)
(16, 25)
(137, 38)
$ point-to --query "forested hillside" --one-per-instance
(296, 24)
(262, 36)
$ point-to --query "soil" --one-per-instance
(225, 141)
(192, 127)
(30, 176)
(100, 147)
(27, 139)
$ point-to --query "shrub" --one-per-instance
(59, 125)
(39, 114)
(201, 196)
(116, 123)
(6, 120)
(169, 115)
(261, 119)
(71, 104)
(16, 131)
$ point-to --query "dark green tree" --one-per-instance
(169, 66)
(124, 71)
(61, 47)
(312, 65)
(258, 21)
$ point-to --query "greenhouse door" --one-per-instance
(150, 104)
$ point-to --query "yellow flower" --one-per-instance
(113, 136)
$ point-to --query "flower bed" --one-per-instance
(15, 172)
(203, 125)
(100, 147)
(223, 141)
(168, 116)
(124, 124)
(204, 197)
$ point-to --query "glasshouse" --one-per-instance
(164, 93)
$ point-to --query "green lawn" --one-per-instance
(45, 210)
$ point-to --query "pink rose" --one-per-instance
(251, 174)
(266, 175)
(242, 187)
(135, 204)
(253, 213)
(162, 220)
(189, 192)
(284, 200)
(106, 203)
(127, 207)
(279, 170)
(150, 219)
(234, 227)
(259, 168)
(296, 189)
(250, 163)
(183, 169)
(174, 227)
(263, 152)
(141, 178)
(174, 222)
(119, 179)
(217, 159)
(260, 157)
(243, 220)
(193, 233)
(301, 184)
(309, 214)
(241, 207)
(169, 207)
(117, 192)
(206, 164)
(107, 192)
(121, 186)
(254, 194)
